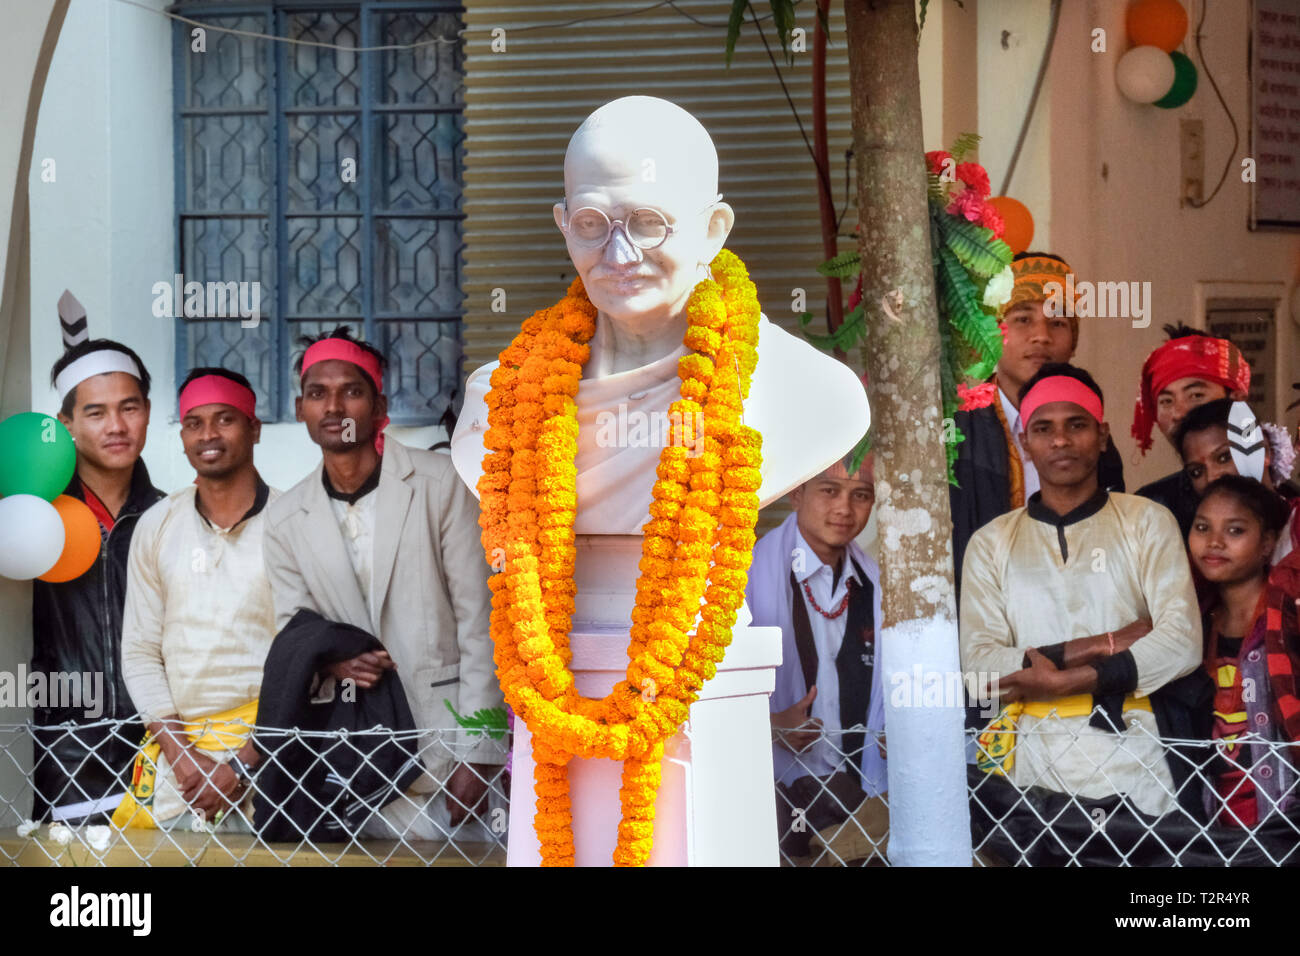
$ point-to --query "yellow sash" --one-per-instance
(225, 732)
(997, 744)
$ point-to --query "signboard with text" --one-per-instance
(1275, 115)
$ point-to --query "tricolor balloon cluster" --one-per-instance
(1154, 71)
(43, 533)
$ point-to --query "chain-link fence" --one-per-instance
(1067, 790)
(378, 797)
(1057, 791)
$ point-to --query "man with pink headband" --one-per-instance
(385, 538)
(1074, 610)
(199, 619)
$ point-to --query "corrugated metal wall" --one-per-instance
(523, 104)
(561, 61)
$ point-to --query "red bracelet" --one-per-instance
(1110, 641)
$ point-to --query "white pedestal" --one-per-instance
(716, 804)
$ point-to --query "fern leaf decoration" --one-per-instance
(844, 266)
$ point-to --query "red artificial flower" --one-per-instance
(981, 396)
(991, 219)
(968, 204)
(974, 176)
(936, 159)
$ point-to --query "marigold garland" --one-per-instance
(697, 546)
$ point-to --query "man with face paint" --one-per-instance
(1211, 448)
(1074, 609)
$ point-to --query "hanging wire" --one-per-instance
(458, 38)
(1236, 135)
(1033, 97)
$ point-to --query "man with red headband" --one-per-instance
(1192, 368)
(199, 619)
(1075, 608)
(994, 473)
(385, 538)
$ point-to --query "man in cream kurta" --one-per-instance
(1103, 586)
(199, 619)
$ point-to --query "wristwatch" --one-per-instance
(242, 773)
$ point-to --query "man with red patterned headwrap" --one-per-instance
(1192, 368)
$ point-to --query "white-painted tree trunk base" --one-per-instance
(929, 816)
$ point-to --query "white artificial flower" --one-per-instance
(60, 834)
(998, 289)
(98, 837)
(27, 828)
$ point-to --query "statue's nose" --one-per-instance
(621, 250)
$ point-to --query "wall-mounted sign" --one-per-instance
(1275, 115)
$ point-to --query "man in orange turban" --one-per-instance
(994, 473)
(1192, 368)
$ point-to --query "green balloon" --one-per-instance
(1184, 83)
(37, 456)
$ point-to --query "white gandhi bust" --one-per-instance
(635, 166)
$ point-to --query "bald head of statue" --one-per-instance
(631, 159)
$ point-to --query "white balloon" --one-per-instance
(1145, 74)
(31, 537)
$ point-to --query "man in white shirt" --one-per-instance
(199, 618)
(993, 471)
(811, 579)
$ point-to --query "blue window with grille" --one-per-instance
(332, 178)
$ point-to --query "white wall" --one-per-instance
(1101, 175)
(105, 230)
(21, 44)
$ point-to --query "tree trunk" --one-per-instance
(929, 816)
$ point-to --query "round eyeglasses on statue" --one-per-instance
(646, 228)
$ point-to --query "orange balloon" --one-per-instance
(1161, 23)
(81, 541)
(1019, 231)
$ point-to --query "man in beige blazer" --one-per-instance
(386, 538)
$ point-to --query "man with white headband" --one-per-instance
(199, 619)
(1075, 609)
(103, 391)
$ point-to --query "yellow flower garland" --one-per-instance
(697, 545)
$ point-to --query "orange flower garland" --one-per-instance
(696, 547)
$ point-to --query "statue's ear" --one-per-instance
(721, 219)
(558, 210)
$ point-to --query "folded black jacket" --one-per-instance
(325, 788)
